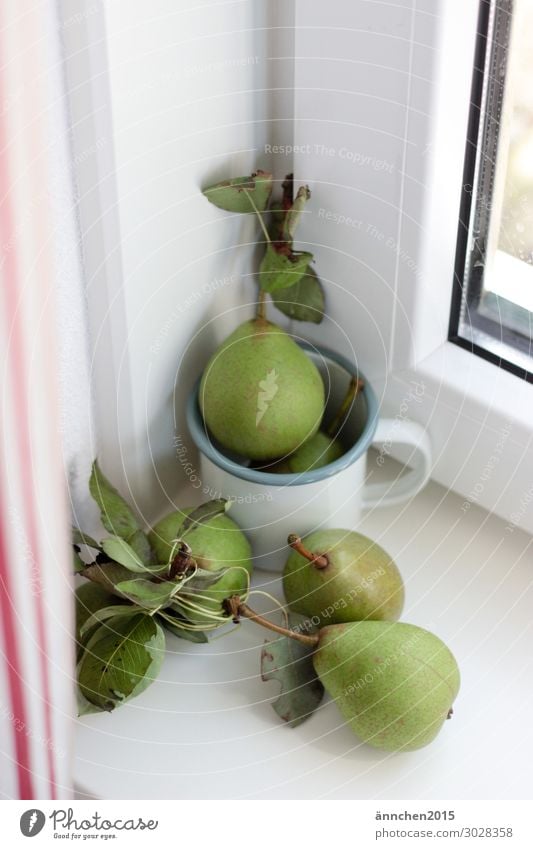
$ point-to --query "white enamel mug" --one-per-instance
(268, 507)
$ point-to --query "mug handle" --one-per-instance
(388, 433)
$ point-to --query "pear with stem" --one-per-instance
(336, 575)
(394, 683)
(218, 546)
(260, 395)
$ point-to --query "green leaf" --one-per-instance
(99, 616)
(204, 578)
(85, 707)
(117, 516)
(234, 195)
(173, 625)
(293, 215)
(304, 301)
(147, 594)
(81, 538)
(139, 543)
(88, 599)
(289, 662)
(203, 514)
(121, 552)
(278, 271)
(77, 562)
(121, 660)
(184, 634)
(107, 575)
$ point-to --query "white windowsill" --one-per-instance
(206, 730)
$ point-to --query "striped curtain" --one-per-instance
(36, 658)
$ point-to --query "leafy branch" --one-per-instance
(129, 599)
(284, 273)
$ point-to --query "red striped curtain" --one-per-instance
(36, 658)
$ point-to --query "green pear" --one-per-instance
(260, 395)
(325, 446)
(216, 544)
(394, 683)
(335, 576)
(318, 451)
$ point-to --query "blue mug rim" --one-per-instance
(198, 433)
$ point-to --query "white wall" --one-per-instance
(166, 98)
(352, 93)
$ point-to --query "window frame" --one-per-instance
(490, 335)
(468, 401)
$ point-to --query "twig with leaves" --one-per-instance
(130, 598)
(284, 273)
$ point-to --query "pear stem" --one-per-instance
(182, 560)
(262, 223)
(320, 561)
(356, 384)
(261, 306)
(237, 609)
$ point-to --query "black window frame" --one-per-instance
(495, 321)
